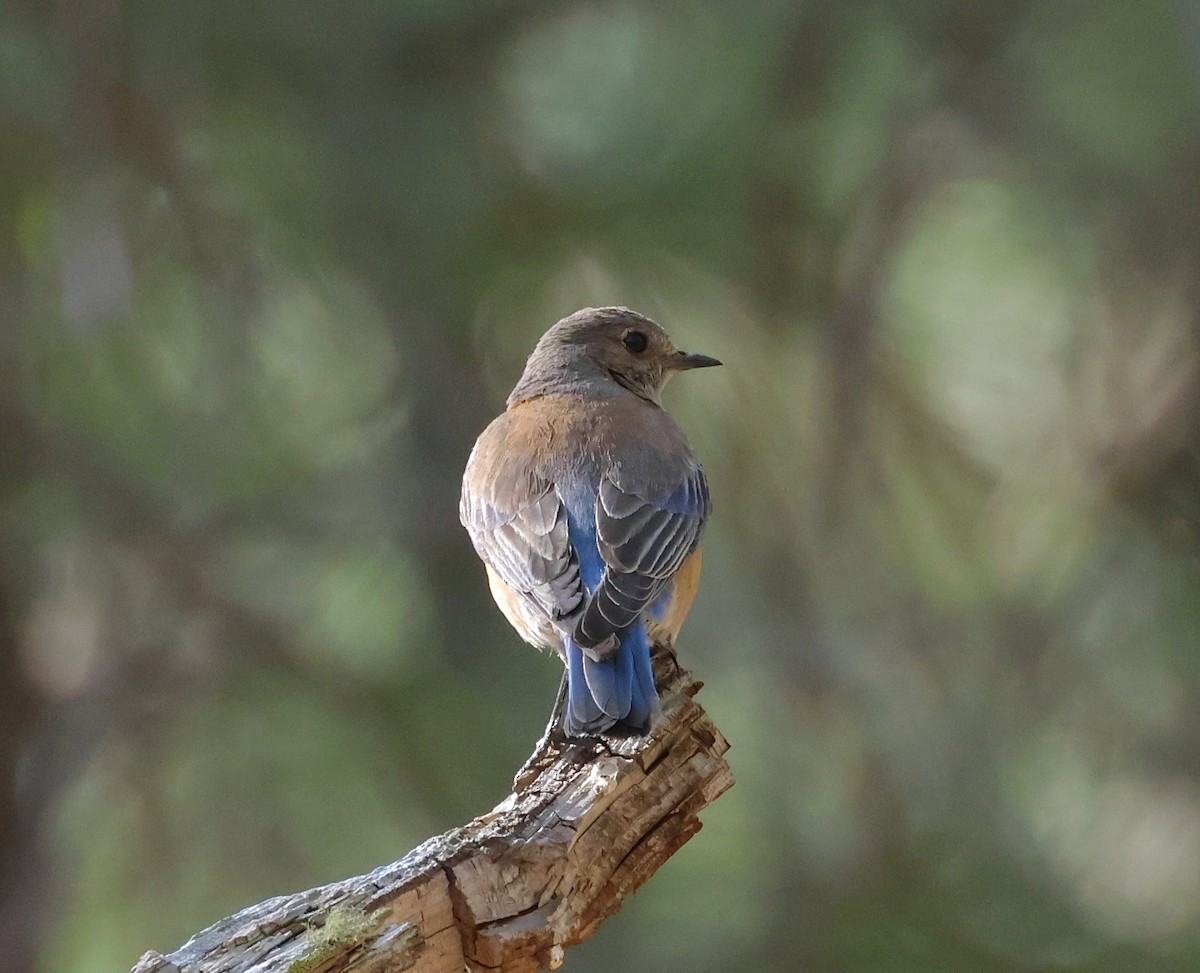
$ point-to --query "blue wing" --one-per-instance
(617, 686)
(642, 542)
(628, 555)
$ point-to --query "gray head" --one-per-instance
(609, 344)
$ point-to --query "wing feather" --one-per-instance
(643, 540)
(518, 526)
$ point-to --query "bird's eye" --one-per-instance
(635, 341)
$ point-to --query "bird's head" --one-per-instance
(618, 343)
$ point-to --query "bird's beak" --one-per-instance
(683, 361)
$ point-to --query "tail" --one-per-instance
(618, 690)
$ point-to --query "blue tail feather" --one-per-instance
(582, 716)
(610, 682)
(617, 690)
(644, 697)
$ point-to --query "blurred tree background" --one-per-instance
(267, 268)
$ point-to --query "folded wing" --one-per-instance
(518, 526)
(643, 539)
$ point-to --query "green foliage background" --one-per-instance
(267, 268)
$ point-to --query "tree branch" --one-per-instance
(586, 825)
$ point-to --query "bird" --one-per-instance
(586, 504)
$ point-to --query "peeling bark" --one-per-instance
(586, 825)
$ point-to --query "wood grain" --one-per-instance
(586, 825)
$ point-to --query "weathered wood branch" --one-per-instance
(585, 826)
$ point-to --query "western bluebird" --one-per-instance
(586, 504)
